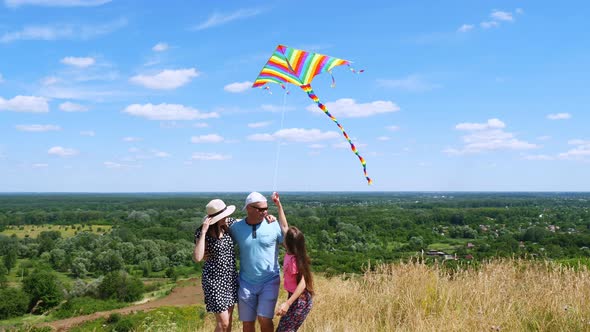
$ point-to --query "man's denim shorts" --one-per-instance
(258, 299)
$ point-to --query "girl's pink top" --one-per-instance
(290, 273)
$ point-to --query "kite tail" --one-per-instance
(314, 97)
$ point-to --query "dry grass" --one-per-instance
(510, 295)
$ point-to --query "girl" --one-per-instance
(220, 278)
(298, 282)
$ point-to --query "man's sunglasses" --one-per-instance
(260, 209)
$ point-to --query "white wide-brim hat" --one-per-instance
(217, 210)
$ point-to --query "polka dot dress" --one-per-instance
(220, 278)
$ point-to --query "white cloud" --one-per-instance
(29, 104)
(348, 108)
(56, 32)
(465, 28)
(160, 47)
(167, 112)
(131, 139)
(211, 138)
(519, 11)
(116, 165)
(72, 107)
(80, 62)
(538, 157)
(88, 133)
(491, 124)
(238, 87)
(201, 125)
(56, 3)
(578, 142)
(50, 80)
(111, 164)
(37, 128)
(40, 165)
(259, 124)
(498, 15)
(220, 19)
(296, 135)
(261, 137)
(383, 138)
(91, 93)
(62, 152)
(488, 136)
(559, 116)
(274, 108)
(581, 151)
(544, 138)
(166, 80)
(392, 128)
(209, 156)
(412, 83)
(489, 24)
(160, 154)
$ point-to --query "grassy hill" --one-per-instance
(504, 295)
(501, 295)
(507, 295)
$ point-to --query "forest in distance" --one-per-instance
(93, 245)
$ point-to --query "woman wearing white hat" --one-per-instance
(220, 278)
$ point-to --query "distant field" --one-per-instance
(33, 231)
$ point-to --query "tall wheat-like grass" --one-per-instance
(506, 295)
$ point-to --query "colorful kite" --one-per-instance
(289, 65)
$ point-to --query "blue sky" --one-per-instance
(134, 96)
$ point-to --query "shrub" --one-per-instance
(124, 325)
(85, 306)
(121, 286)
(44, 289)
(13, 302)
(113, 318)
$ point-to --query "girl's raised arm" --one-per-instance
(282, 218)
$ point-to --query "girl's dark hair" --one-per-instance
(295, 243)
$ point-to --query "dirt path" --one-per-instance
(188, 293)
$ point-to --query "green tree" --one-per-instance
(10, 258)
(3, 276)
(416, 243)
(13, 302)
(47, 240)
(58, 259)
(108, 261)
(44, 289)
(121, 286)
(80, 267)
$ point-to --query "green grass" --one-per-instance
(22, 321)
(84, 306)
(449, 244)
(15, 275)
(33, 231)
(188, 318)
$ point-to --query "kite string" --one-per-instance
(274, 185)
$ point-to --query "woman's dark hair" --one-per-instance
(215, 229)
(295, 243)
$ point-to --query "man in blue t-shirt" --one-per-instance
(258, 242)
